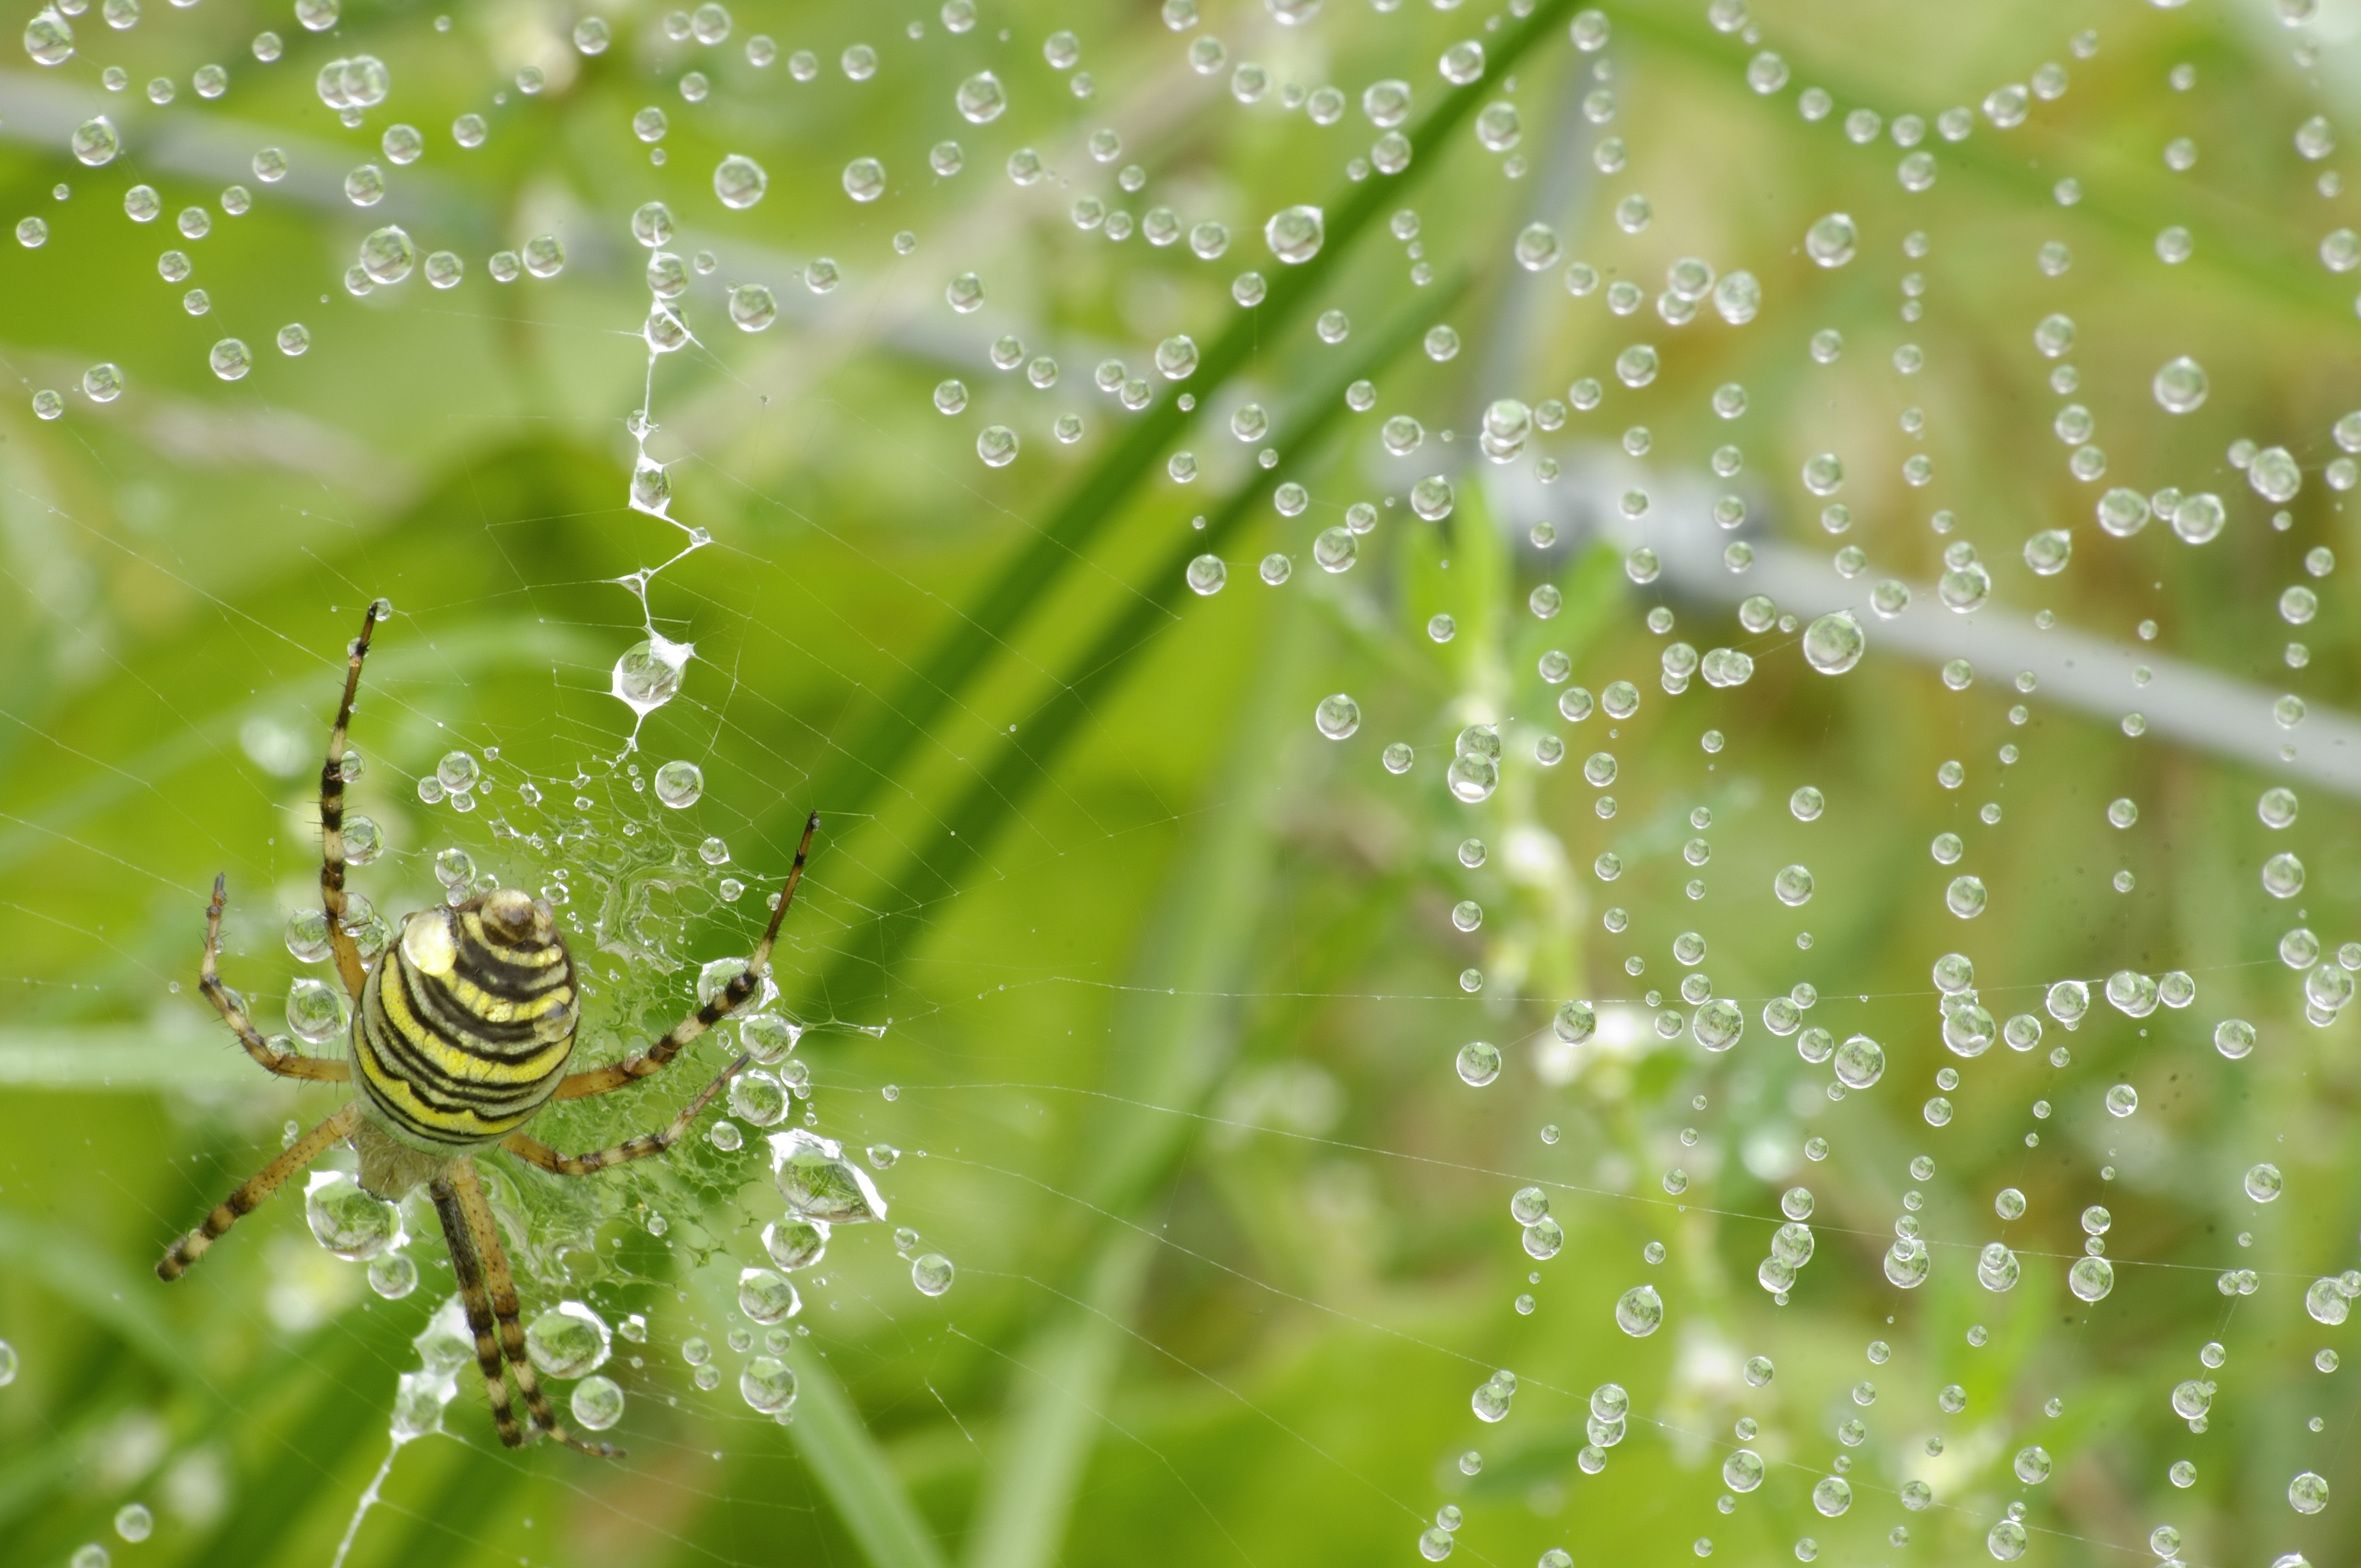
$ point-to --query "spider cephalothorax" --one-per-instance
(461, 1033)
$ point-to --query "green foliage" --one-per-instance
(1165, 986)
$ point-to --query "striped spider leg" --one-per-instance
(607, 1080)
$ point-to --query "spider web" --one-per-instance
(1159, 1014)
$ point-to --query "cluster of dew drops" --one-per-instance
(1831, 644)
(571, 1341)
(823, 1187)
(358, 87)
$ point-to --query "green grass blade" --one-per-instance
(876, 749)
(961, 834)
(854, 1473)
(1056, 1409)
(1193, 959)
(97, 1284)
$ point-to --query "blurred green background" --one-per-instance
(1166, 984)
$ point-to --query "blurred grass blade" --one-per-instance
(1058, 1402)
(487, 650)
(2126, 193)
(852, 1469)
(962, 833)
(1193, 959)
(875, 750)
(96, 1283)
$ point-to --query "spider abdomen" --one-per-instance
(465, 1022)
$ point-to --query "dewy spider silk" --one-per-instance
(1716, 625)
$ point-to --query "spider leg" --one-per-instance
(331, 819)
(244, 1201)
(460, 1236)
(286, 1064)
(503, 1292)
(549, 1159)
(604, 1080)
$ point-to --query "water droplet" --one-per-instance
(1176, 357)
(648, 674)
(230, 359)
(1639, 1312)
(347, 1221)
(1831, 239)
(865, 180)
(48, 39)
(996, 444)
(2179, 386)
(1860, 1061)
(679, 783)
(819, 1183)
(1294, 233)
(981, 99)
(1463, 62)
(597, 1403)
(1207, 574)
(739, 181)
(1834, 644)
(1477, 1063)
(95, 142)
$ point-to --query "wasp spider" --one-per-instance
(461, 1032)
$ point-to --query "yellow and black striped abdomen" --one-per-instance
(465, 1022)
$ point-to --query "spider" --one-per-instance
(461, 1032)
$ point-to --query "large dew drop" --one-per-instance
(819, 1183)
(796, 1243)
(1831, 241)
(95, 142)
(1432, 497)
(1859, 1062)
(1717, 1024)
(1293, 233)
(2180, 386)
(981, 98)
(1996, 1268)
(1834, 644)
(932, 1273)
(359, 83)
(48, 39)
(1479, 1063)
(598, 1403)
(679, 783)
(648, 674)
(387, 254)
(347, 1220)
(1337, 717)
(1640, 1311)
(316, 1011)
(567, 1341)
(767, 1297)
(768, 1386)
(739, 181)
